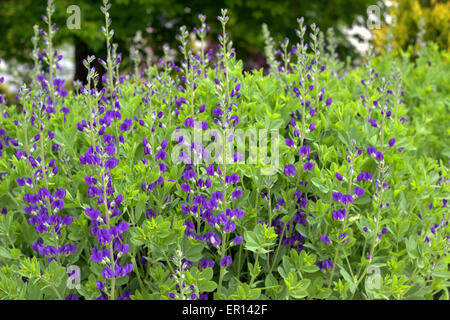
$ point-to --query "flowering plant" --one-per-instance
(130, 187)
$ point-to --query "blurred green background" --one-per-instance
(157, 22)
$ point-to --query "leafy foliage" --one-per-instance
(355, 209)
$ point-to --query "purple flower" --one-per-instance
(110, 150)
(391, 142)
(20, 182)
(205, 125)
(371, 151)
(100, 286)
(289, 170)
(104, 236)
(326, 264)
(67, 221)
(359, 192)
(329, 101)
(236, 194)
(379, 156)
(161, 155)
(213, 239)
(343, 237)
(225, 261)
(205, 263)
(229, 227)
(339, 176)
(304, 151)
(126, 125)
(185, 187)
(162, 167)
(309, 165)
(337, 196)
(107, 273)
(289, 142)
(125, 296)
(235, 178)
(189, 122)
(111, 163)
(325, 239)
(346, 198)
(210, 170)
(217, 112)
(364, 176)
(237, 241)
(339, 214)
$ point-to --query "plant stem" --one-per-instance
(278, 248)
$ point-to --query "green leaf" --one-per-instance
(320, 185)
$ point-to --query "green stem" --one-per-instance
(239, 262)
(50, 58)
(141, 285)
(372, 247)
(222, 269)
(278, 249)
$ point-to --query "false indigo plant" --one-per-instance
(134, 189)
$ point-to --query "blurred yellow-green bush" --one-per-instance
(408, 16)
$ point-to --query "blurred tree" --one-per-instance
(159, 21)
(409, 16)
